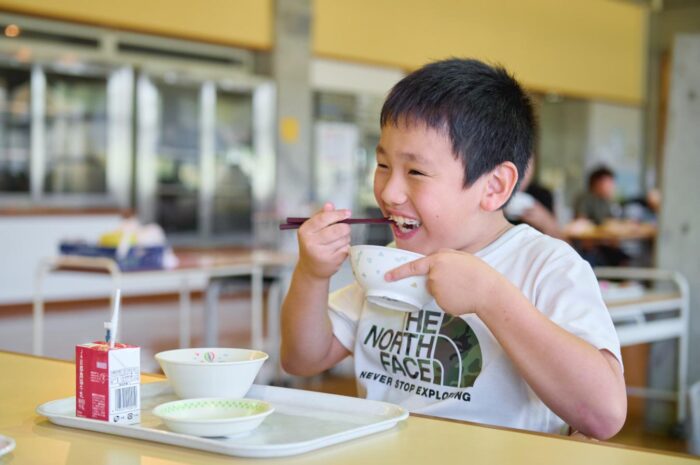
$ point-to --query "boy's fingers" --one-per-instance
(343, 250)
(325, 218)
(332, 233)
(414, 268)
(338, 243)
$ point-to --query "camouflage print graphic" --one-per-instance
(437, 372)
(430, 346)
(458, 353)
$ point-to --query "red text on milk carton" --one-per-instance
(107, 382)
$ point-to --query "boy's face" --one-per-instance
(605, 188)
(419, 183)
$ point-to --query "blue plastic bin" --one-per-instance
(138, 257)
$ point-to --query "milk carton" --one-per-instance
(107, 382)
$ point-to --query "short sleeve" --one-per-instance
(569, 294)
(345, 306)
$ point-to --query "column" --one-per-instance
(291, 70)
(679, 233)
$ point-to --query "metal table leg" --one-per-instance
(38, 309)
(211, 312)
(684, 287)
(256, 321)
(185, 314)
(51, 264)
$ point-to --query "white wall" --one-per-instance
(615, 140)
(25, 240)
(339, 76)
(578, 135)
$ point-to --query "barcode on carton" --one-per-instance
(125, 398)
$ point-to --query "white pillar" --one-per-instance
(291, 67)
(678, 244)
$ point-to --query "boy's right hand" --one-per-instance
(323, 242)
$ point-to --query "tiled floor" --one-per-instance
(153, 325)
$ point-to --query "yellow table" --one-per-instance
(27, 381)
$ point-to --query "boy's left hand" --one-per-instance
(460, 282)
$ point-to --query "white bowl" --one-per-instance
(7, 445)
(211, 372)
(371, 262)
(213, 417)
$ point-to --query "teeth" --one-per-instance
(405, 224)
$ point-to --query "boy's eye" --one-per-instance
(381, 165)
(415, 173)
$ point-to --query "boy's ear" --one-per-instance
(499, 186)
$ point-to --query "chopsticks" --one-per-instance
(294, 222)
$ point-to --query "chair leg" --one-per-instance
(273, 329)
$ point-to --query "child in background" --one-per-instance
(597, 204)
(518, 334)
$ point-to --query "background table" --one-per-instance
(196, 270)
(29, 381)
(611, 233)
(655, 315)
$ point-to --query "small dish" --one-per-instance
(7, 445)
(213, 417)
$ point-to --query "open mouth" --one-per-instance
(405, 224)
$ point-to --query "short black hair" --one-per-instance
(488, 116)
(598, 174)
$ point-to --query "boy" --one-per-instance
(518, 334)
(597, 204)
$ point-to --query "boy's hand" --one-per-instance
(323, 242)
(460, 282)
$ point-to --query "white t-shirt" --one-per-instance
(430, 362)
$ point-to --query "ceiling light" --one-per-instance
(12, 30)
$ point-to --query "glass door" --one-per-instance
(234, 161)
(178, 175)
(76, 135)
(65, 134)
(205, 156)
(15, 130)
(168, 154)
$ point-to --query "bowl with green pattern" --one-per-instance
(213, 417)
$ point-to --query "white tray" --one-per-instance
(302, 421)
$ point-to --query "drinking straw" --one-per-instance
(112, 326)
(108, 331)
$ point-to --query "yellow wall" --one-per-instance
(246, 23)
(589, 48)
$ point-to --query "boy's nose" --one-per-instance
(393, 192)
